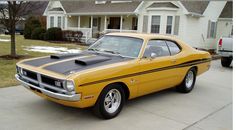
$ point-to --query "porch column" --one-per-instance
(91, 32)
(121, 22)
(78, 22)
(105, 23)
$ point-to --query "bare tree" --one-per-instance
(11, 13)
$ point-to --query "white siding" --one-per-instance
(55, 14)
(194, 30)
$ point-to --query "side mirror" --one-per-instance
(153, 55)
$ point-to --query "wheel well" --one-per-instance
(196, 68)
(124, 87)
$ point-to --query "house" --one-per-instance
(198, 23)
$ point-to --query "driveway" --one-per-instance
(207, 107)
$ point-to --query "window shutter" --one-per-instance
(176, 26)
(215, 29)
(209, 29)
(145, 23)
(63, 22)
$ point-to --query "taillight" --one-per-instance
(220, 42)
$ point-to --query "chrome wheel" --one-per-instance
(112, 100)
(189, 79)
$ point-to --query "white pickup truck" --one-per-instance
(225, 50)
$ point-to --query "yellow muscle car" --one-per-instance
(117, 67)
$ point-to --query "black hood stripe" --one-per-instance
(185, 64)
(53, 58)
(76, 65)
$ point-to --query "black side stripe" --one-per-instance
(185, 64)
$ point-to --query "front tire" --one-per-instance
(226, 61)
(189, 81)
(110, 102)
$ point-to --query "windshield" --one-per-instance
(123, 46)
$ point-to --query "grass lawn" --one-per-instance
(7, 67)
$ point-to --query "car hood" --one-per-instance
(71, 63)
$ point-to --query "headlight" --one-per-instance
(70, 86)
(17, 69)
(20, 70)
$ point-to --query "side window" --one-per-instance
(158, 47)
(155, 25)
(51, 21)
(174, 49)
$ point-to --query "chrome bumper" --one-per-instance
(225, 53)
(73, 97)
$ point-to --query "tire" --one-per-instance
(110, 102)
(188, 83)
(226, 61)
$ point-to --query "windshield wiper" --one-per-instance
(113, 52)
(93, 49)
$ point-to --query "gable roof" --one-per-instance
(56, 9)
(92, 7)
(197, 7)
(162, 4)
(36, 7)
(227, 12)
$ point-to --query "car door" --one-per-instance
(155, 66)
(177, 58)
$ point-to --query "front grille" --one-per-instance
(52, 81)
(30, 74)
(42, 81)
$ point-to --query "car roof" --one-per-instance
(145, 36)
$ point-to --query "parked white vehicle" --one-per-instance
(225, 50)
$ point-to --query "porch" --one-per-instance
(94, 26)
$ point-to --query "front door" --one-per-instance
(114, 23)
(96, 26)
(154, 65)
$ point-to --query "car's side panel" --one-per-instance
(155, 79)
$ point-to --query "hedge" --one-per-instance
(38, 33)
(53, 34)
(30, 25)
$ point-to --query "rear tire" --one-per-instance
(110, 102)
(189, 81)
(226, 61)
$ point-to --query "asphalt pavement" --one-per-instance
(207, 107)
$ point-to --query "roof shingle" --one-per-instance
(91, 7)
(195, 6)
(227, 11)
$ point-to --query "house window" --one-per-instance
(59, 21)
(155, 26)
(211, 29)
(169, 25)
(51, 21)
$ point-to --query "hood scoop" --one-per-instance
(91, 60)
(63, 56)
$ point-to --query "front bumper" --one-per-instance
(72, 97)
